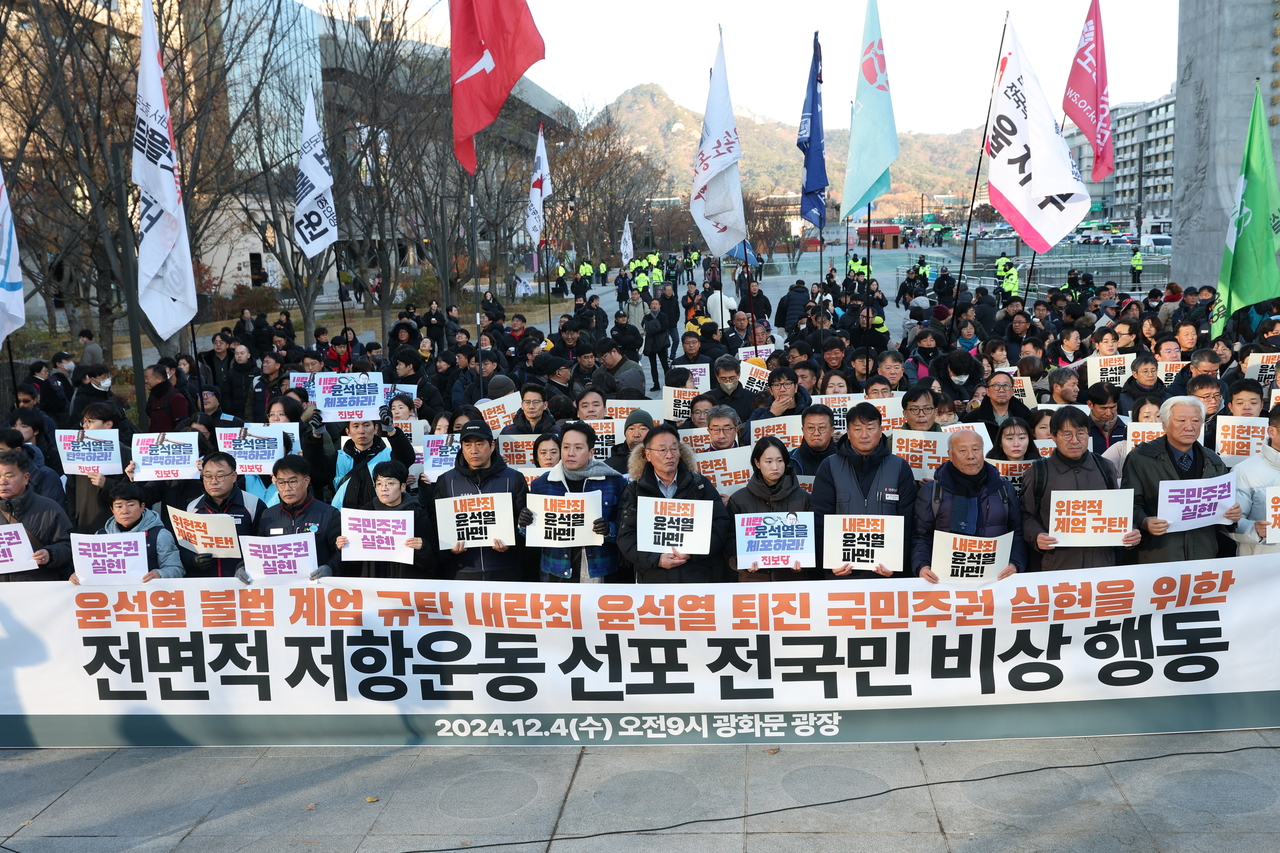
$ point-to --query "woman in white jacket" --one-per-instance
(1253, 477)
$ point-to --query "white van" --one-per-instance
(1153, 240)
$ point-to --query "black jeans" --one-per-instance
(653, 366)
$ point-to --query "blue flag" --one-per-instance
(873, 136)
(813, 195)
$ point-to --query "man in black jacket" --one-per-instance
(221, 497)
(818, 425)
(628, 337)
(299, 511)
(729, 390)
(46, 524)
(791, 306)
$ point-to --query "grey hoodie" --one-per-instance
(167, 556)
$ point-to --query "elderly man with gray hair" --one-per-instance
(1179, 455)
(966, 496)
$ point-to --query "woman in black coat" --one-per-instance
(491, 304)
(433, 325)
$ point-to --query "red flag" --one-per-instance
(493, 42)
(1087, 101)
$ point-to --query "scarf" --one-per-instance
(595, 469)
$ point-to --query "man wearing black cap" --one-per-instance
(480, 470)
(611, 360)
(628, 336)
(558, 373)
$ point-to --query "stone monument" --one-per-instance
(1222, 46)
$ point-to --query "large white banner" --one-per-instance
(810, 661)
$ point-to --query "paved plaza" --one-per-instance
(270, 800)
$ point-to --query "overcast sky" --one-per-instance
(940, 53)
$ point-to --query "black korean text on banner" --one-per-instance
(1084, 519)
(1192, 504)
(666, 524)
(564, 521)
(90, 451)
(475, 520)
(863, 542)
(775, 540)
(205, 533)
(444, 652)
(960, 558)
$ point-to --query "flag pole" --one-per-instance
(1030, 272)
(866, 280)
(475, 276)
(977, 173)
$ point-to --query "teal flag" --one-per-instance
(1249, 271)
(873, 136)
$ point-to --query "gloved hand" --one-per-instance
(526, 517)
(316, 422)
(321, 572)
(243, 576)
(600, 527)
(384, 413)
(203, 564)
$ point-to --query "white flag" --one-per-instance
(166, 280)
(315, 221)
(716, 200)
(539, 188)
(627, 249)
(1032, 178)
(13, 313)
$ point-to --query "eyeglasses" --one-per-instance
(920, 410)
(288, 484)
(663, 451)
(722, 430)
(782, 385)
(1002, 386)
(1209, 398)
(211, 477)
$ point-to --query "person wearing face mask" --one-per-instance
(917, 365)
(60, 376)
(95, 387)
(729, 390)
(958, 373)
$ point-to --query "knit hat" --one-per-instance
(639, 416)
(501, 386)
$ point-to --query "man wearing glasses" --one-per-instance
(818, 426)
(723, 426)
(1207, 390)
(998, 406)
(788, 397)
(222, 496)
(920, 410)
(300, 512)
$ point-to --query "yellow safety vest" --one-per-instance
(642, 282)
(1136, 263)
(1010, 283)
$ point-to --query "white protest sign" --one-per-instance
(280, 560)
(728, 470)
(961, 558)
(1239, 438)
(863, 542)
(978, 429)
(839, 404)
(789, 429)
(664, 525)
(754, 377)
(165, 456)
(531, 474)
(90, 451)
(439, 452)
(1045, 447)
(205, 533)
(109, 558)
(608, 433)
(476, 520)
(1024, 391)
(677, 403)
(806, 482)
(517, 450)
(1142, 433)
(890, 409)
(499, 413)
(1167, 371)
(564, 521)
(1192, 504)
(701, 375)
(16, 554)
(775, 540)
(255, 450)
(761, 352)
(618, 410)
(924, 452)
(1087, 519)
(1262, 367)
(1271, 514)
(1011, 471)
(349, 396)
(377, 536)
(389, 391)
(1109, 368)
(698, 439)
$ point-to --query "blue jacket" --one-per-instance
(601, 559)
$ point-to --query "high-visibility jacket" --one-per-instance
(1003, 266)
(603, 270)
(560, 270)
(925, 269)
(642, 281)
(1010, 283)
(694, 257)
(1136, 263)
(584, 269)
(657, 275)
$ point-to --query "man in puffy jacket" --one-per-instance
(480, 470)
(791, 306)
(129, 514)
(863, 478)
(967, 496)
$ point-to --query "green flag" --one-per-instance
(1249, 271)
